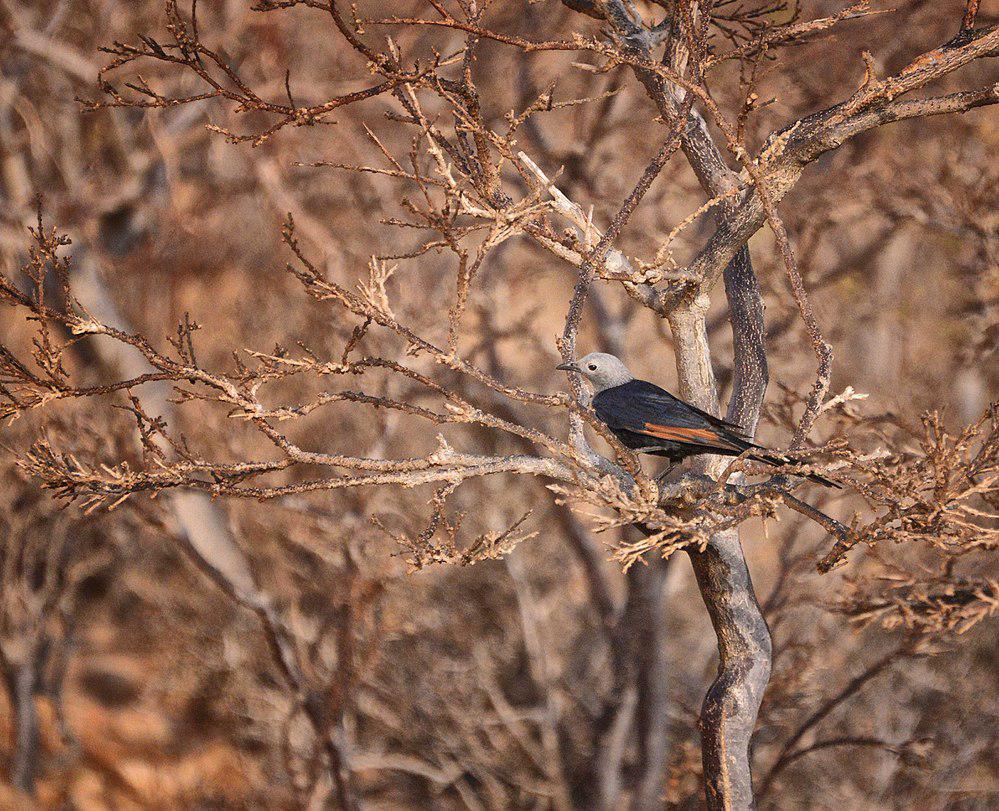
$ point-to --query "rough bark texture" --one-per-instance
(728, 715)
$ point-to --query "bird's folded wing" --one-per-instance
(690, 436)
(650, 398)
(645, 409)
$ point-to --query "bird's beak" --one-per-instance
(569, 367)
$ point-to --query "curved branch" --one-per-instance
(728, 715)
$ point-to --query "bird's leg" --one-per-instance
(661, 478)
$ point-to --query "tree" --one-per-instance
(461, 178)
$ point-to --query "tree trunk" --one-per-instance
(25, 759)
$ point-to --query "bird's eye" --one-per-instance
(592, 367)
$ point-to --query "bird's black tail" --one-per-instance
(777, 460)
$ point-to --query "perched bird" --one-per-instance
(650, 420)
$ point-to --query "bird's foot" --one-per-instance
(661, 478)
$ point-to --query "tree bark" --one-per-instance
(730, 707)
(25, 760)
(651, 722)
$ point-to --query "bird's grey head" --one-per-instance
(602, 370)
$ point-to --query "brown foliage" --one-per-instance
(460, 194)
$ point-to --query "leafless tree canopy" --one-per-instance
(284, 288)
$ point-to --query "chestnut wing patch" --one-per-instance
(691, 436)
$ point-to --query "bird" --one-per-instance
(648, 419)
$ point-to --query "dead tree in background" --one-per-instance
(478, 190)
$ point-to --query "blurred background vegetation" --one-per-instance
(476, 686)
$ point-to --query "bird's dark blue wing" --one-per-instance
(644, 408)
(650, 419)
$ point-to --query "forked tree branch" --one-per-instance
(477, 189)
(730, 707)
